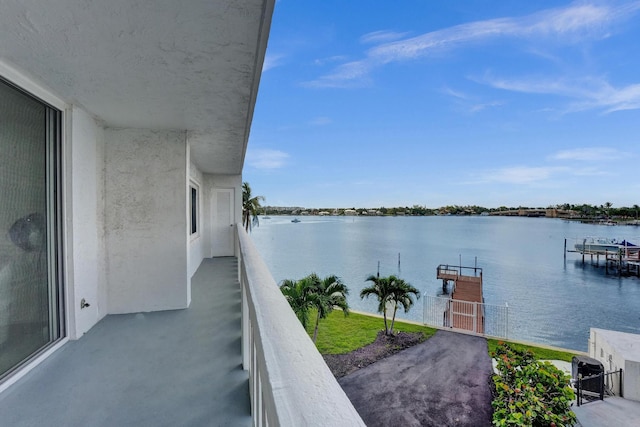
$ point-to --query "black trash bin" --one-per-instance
(584, 366)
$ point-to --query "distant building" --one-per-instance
(350, 212)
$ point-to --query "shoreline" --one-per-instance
(461, 331)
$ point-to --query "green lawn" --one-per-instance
(539, 352)
(338, 334)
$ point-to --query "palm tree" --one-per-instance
(390, 290)
(250, 207)
(311, 292)
(401, 296)
(636, 207)
(382, 289)
(330, 293)
(608, 207)
(300, 296)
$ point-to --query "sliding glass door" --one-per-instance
(30, 286)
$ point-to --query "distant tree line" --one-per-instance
(605, 210)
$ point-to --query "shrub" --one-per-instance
(529, 392)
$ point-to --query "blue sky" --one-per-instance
(379, 103)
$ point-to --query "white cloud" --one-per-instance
(455, 93)
(590, 171)
(331, 59)
(613, 99)
(382, 36)
(589, 93)
(518, 174)
(266, 159)
(542, 86)
(588, 154)
(470, 103)
(577, 20)
(271, 61)
(320, 121)
(485, 105)
(567, 24)
(351, 74)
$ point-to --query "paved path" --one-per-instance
(441, 382)
(612, 411)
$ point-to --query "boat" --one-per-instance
(295, 220)
(266, 217)
(602, 244)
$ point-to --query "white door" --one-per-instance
(222, 238)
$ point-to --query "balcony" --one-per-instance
(185, 367)
(180, 367)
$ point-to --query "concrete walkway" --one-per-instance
(170, 368)
(441, 382)
(612, 411)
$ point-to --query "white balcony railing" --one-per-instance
(290, 384)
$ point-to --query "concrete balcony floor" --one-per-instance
(170, 368)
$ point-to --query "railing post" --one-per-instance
(601, 381)
(424, 308)
(506, 332)
(246, 328)
(475, 317)
(579, 391)
(620, 384)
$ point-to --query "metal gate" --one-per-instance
(486, 319)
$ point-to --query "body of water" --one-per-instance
(550, 301)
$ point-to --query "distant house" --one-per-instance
(350, 212)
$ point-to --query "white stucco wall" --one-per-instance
(85, 211)
(618, 350)
(145, 222)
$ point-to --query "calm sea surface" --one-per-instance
(550, 301)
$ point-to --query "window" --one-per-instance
(194, 209)
(31, 303)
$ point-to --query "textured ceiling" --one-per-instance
(163, 64)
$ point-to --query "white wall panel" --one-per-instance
(145, 221)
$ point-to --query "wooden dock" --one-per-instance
(623, 262)
(465, 310)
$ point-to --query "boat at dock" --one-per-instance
(602, 245)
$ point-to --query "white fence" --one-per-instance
(289, 382)
(486, 319)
